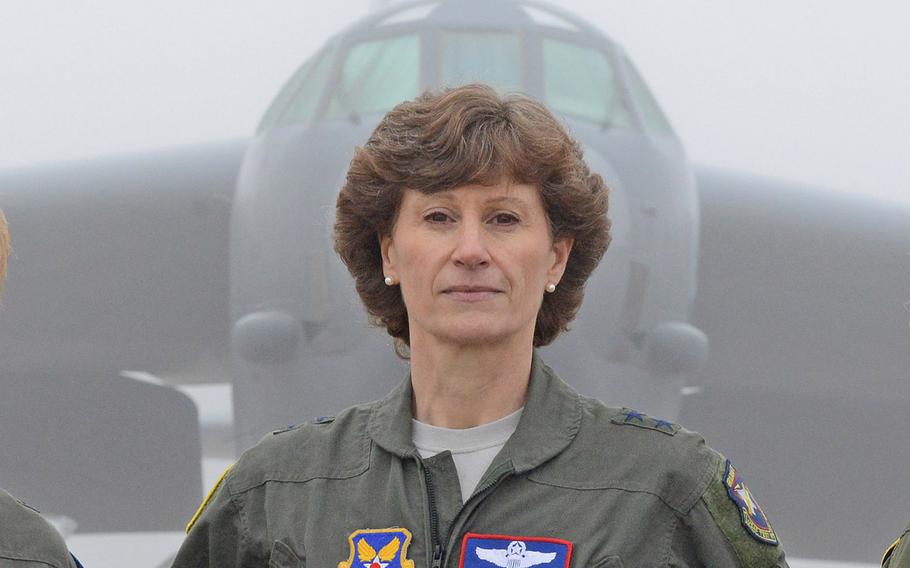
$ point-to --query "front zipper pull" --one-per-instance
(437, 556)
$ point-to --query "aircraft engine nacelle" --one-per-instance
(297, 322)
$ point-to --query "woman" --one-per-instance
(470, 223)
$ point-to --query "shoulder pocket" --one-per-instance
(283, 557)
(610, 562)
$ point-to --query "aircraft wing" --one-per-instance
(120, 263)
(802, 294)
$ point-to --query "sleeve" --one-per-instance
(898, 554)
(726, 527)
(27, 538)
(217, 535)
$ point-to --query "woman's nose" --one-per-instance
(470, 246)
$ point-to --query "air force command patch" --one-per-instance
(378, 548)
(753, 518)
(488, 550)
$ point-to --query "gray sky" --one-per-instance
(811, 91)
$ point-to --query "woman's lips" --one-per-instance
(470, 294)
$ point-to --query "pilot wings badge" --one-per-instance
(487, 550)
(378, 548)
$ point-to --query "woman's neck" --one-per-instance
(458, 386)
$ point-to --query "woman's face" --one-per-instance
(473, 262)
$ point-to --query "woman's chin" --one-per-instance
(476, 335)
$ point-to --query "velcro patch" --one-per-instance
(727, 514)
(486, 550)
(378, 548)
(627, 416)
(753, 518)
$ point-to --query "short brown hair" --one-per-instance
(464, 136)
(4, 248)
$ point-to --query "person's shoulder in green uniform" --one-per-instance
(898, 554)
(327, 447)
(27, 540)
(330, 446)
(224, 525)
(718, 517)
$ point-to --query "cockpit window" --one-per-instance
(376, 75)
(303, 106)
(580, 81)
(471, 57)
(654, 119)
(297, 100)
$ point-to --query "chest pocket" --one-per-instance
(283, 557)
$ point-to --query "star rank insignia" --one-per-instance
(627, 416)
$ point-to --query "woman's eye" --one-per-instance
(505, 219)
(437, 217)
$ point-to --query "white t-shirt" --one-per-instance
(473, 449)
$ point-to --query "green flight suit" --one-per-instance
(898, 554)
(27, 540)
(623, 488)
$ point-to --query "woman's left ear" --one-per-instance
(561, 250)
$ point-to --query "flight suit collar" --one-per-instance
(390, 421)
(549, 423)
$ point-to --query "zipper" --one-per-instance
(498, 476)
(438, 550)
(487, 486)
(478, 495)
(437, 556)
(434, 516)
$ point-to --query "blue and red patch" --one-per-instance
(487, 550)
(752, 516)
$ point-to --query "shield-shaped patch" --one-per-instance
(378, 548)
(753, 518)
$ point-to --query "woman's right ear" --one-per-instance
(387, 250)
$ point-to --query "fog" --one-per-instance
(160, 308)
(811, 91)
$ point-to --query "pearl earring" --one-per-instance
(551, 287)
(389, 281)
